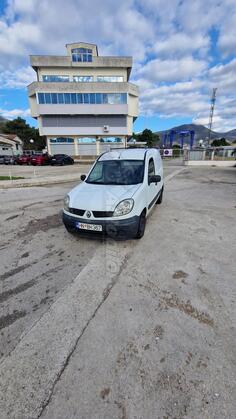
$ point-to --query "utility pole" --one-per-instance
(213, 100)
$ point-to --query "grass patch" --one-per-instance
(10, 178)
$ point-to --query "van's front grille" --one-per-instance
(96, 214)
(101, 214)
(77, 211)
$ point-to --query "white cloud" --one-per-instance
(14, 113)
(172, 70)
(17, 79)
(179, 44)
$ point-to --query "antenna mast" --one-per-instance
(213, 100)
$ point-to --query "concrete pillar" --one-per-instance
(76, 147)
(98, 146)
(212, 154)
(49, 146)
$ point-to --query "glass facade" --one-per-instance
(86, 140)
(61, 140)
(82, 78)
(110, 78)
(82, 55)
(111, 140)
(54, 78)
(82, 98)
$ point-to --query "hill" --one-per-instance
(201, 132)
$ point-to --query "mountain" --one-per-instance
(231, 134)
(201, 132)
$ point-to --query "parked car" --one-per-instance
(10, 159)
(2, 159)
(23, 159)
(117, 195)
(61, 159)
(40, 159)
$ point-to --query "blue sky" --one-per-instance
(181, 50)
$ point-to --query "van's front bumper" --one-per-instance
(117, 229)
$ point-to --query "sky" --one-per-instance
(181, 49)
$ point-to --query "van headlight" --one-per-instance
(66, 202)
(124, 207)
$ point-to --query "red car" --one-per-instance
(24, 159)
(40, 159)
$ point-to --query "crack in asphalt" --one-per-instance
(105, 295)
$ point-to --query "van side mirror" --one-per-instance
(154, 179)
(83, 177)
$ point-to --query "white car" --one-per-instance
(117, 195)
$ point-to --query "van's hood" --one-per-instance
(92, 197)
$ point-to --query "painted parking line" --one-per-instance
(175, 173)
(28, 375)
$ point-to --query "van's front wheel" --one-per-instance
(141, 226)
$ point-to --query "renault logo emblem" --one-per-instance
(88, 213)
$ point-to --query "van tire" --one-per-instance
(159, 200)
(141, 225)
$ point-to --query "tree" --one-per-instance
(26, 133)
(220, 142)
(147, 136)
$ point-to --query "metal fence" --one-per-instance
(214, 154)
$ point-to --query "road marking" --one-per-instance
(175, 173)
(29, 374)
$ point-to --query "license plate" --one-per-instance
(91, 227)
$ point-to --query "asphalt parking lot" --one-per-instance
(29, 172)
(138, 329)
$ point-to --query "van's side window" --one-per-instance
(151, 167)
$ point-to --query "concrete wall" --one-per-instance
(83, 120)
(57, 148)
(39, 61)
(82, 149)
(83, 87)
(83, 109)
(83, 131)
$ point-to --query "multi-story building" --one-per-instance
(81, 98)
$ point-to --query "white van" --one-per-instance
(117, 195)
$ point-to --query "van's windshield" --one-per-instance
(117, 172)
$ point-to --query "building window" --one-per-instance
(53, 78)
(81, 55)
(111, 140)
(83, 79)
(41, 98)
(110, 78)
(86, 140)
(81, 98)
(151, 167)
(61, 140)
